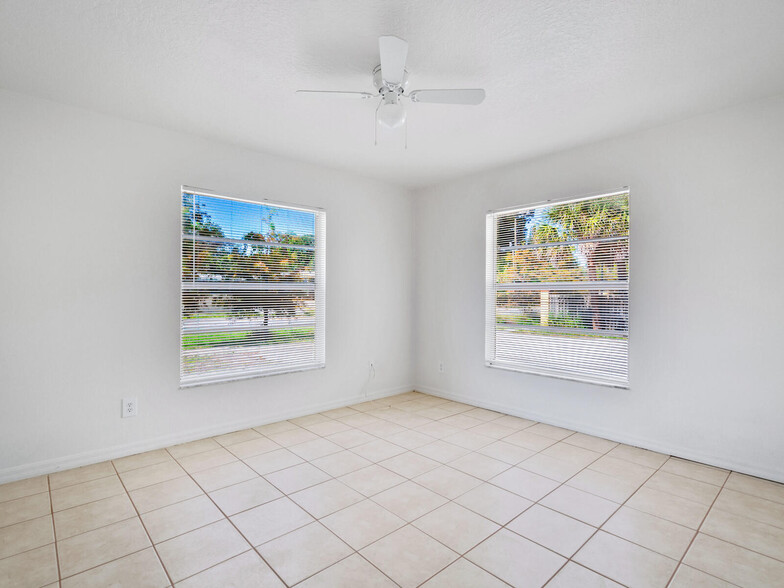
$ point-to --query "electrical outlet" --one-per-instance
(130, 407)
(440, 367)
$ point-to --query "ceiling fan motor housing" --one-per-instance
(383, 86)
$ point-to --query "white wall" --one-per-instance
(707, 284)
(89, 306)
(89, 235)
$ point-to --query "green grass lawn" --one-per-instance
(275, 336)
(209, 315)
(555, 320)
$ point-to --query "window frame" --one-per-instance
(320, 254)
(491, 265)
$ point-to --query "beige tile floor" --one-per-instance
(406, 491)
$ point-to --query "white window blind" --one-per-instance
(558, 289)
(253, 277)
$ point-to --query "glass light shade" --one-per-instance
(391, 113)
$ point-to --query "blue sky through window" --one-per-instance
(237, 218)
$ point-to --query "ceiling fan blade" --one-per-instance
(340, 94)
(472, 96)
(393, 53)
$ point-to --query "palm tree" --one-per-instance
(593, 219)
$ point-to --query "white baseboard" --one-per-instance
(89, 457)
(682, 452)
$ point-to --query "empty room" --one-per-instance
(367, 294)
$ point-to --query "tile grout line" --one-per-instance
(97, 528)
(353, 553)
(560, 484)
(318, 520)
(369, 498)
(410, 450)
(645, 512)
(606, 453)
(599, 528)
(697, 532)
(405, 478)
(707, 574)
(694, 531)
(501, 527)
(556, 441)
(227, 518)
(406, 449)
(504, 526)
(315, 519)
(287, 448)
(406, 523)
(738, 544)
(238, 458)
(82, 481)
(54, 533)
(141, 521)
(22, 523)
(187, 474)
(107, 562)
(537, 502)
(90, 501)
(86, 504)
(496, 440)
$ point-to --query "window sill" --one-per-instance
(561, 376)
(248, 375)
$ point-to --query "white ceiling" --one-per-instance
(557, 73)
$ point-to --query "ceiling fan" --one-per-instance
(391, 80)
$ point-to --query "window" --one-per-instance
(558, 289)
(252, 288)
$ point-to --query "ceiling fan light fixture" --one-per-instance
(390, 112)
